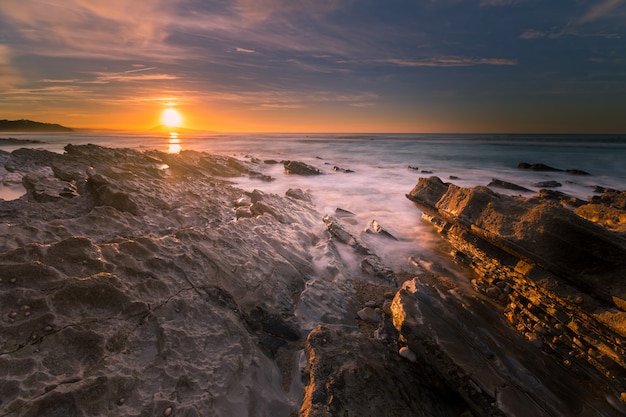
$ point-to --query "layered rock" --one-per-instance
(558, 277)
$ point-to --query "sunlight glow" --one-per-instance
(171, 117)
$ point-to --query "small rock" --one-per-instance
(493, 292)
(371, 303)
(536, 167)
(168, 411)
(577, 172)
(407, 354)
(368, 314)
(507, 185)
(300, 168)
(548, 184)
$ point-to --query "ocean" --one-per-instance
(384, 167)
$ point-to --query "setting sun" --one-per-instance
(171, 118)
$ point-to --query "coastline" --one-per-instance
(154, 283)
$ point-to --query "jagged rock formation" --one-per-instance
(558, 277)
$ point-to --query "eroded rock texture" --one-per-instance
(128, 287)
(560, 281)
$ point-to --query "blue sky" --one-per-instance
(325, 65)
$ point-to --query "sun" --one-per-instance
(171, 117)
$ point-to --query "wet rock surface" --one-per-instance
(139, 292)
(146, 283)
(557, 278)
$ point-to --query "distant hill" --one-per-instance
(30, 126)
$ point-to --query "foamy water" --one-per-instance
(380, 163)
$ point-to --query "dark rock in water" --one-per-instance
(600, 189)
(271, 162)
(300, 168)
(298, 194)
(370, 262)
(548, 184)
(537, 167)
(345, 171)
(577, 172)
(565, 273)
(14, 141)
(413, 167)
(507, 185)
(375, 228)
(426, 171)
(342, 212)
(453, 177)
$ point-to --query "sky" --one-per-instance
(531, 66)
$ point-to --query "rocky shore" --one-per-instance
(147, 284)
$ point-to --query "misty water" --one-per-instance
(383, 168)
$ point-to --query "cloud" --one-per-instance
(9, 76)
(532, 34)
(245, 51)
(131, 75)
(484, 3)
(88, 28)
(450, 61)
(601, 10)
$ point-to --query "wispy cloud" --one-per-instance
(601, 10)
(484, 3)
(128, 76)
(9, 76)
(245, 51)
(532, 34)
(450, 61)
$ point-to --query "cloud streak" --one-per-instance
(451, 61)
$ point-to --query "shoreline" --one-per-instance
(120, 263)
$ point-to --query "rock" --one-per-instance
(298, 194)
(413, 167)
(375, 228)
(407, 354)
(548, 184)
(345, 171)
(577, 172)
(46, 189)
(537, 167)
(368, 314)
(376, 381)
(550, 257)
(116, 289)
(558, 197)
(507, 185)
(343, 213)
(300, 168)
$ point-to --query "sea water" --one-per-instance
(370, 174)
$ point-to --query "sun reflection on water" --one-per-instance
(174, 143)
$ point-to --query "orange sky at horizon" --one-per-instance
(488, 66)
